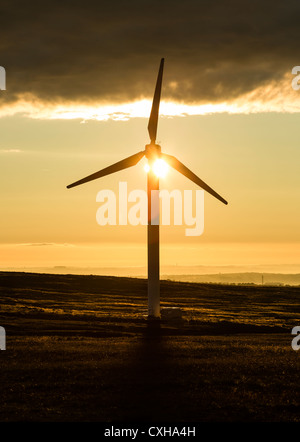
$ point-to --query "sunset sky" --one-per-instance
(79, 83)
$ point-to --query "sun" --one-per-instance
(160, 168)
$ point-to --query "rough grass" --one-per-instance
(79, 349)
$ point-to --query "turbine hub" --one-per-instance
(153, 151)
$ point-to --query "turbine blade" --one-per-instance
(152, 125)
(180, 167)
(123, 164)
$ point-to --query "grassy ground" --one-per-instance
(79, 349)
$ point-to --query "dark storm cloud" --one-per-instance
(111, 49)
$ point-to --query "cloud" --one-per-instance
(46, 244)
(274, 97)
(10, 151)
(90, 52)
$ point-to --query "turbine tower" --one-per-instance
(153, 153)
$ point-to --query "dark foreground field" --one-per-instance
(79, 348)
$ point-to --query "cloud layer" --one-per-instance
(109, 51)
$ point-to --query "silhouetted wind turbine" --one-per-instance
(153, 153)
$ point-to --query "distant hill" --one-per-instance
(266, 275)
(240, 278)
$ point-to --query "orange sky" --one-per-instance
(250, 159)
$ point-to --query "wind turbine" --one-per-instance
(153, 153)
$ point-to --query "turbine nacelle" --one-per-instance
(152, 151)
